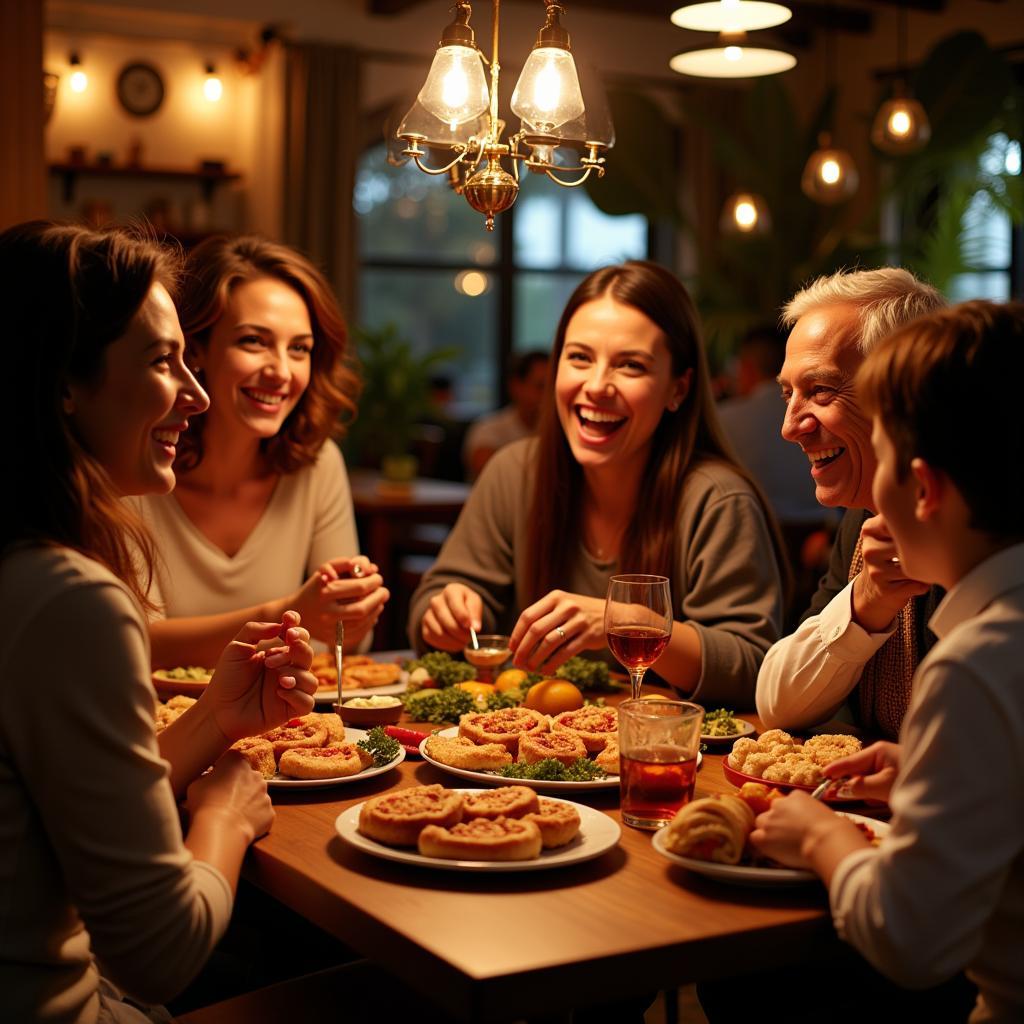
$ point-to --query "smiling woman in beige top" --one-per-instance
(262, 515)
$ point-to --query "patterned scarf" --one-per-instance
(885, 683)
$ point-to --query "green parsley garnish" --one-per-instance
(439, 706)
(442, 668)
(720, 722)
(381, 745)
(550, 770)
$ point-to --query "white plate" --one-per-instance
(597, 834)
(351, 736)
(329, 694)
(494, 779)
(739, 874)
(746, 728)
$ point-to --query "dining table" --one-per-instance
(494, 946)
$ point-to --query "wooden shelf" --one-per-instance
(208, 179)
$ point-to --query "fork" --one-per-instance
(823, 788)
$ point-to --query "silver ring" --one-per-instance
(560, 632)
(357, 570)
(895, 560)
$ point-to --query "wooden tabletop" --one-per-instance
(497, 946)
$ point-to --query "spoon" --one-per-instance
(473, 639)
(823, 788)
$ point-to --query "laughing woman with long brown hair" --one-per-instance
(629, 473)
(94, 871)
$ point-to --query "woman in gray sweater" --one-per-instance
(629, 473)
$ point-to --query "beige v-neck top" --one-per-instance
(308, 520)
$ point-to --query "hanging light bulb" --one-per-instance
(456, 89)
(79, 80)
(548, 94)
(830, 175)
(213, 88)
(901, 125)
(730, 16)
(745, 213)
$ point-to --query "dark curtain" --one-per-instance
(322, 144)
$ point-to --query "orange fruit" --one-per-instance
(510, 679)
(480, 691)
(553, 696)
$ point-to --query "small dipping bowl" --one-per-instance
(368, 717)
(493, 652)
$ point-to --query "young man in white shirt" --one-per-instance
(945, 889)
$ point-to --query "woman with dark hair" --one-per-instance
(629, 473)
(93, 866)
(261, 519)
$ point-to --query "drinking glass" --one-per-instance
(638, 622)
(658, 744)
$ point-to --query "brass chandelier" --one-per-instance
(455, 114)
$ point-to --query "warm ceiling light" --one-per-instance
(745, 213)
(471, 283)
(213, 88)
(732, 62)
(79, 80)
(900, 126)
(731, 16)
(830, 175)
(456, 112)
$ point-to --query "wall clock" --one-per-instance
(140, 89)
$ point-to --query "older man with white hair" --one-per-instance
(865, 631)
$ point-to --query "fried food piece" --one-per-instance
(714, 828)
(324, 668)
(505, 726)
(768, 739)
(462, 752)
(562, 746)
(608, 759)
(396, 818)
(331, 762)
(505, 801)
(180, 704)
(483, 839)
(259, 753)
(307, 731)
(335, 727)
(757, 764)
(758, 797)
(558, 821)
(741, 750)
(595, 726)
(357, 677)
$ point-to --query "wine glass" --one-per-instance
(638, 622)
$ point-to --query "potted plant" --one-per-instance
(395, 399)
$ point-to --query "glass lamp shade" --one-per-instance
(900, 126)
(456, 88)
(421, 122)
(594, 124)
(547, 95)
(830, 175)
(745, 213)
(732, 62)
(731, 16)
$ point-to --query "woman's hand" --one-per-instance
(801, 832)
(256, 687)
(555, 628)
(346, 589)
(234, 791)
(873, 769)
(450, 616)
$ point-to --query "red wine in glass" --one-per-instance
(637, 646)
(638, 622)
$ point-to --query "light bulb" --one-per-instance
(830, 175)
(79, 81)
(547, 94)
(745, 215)
(213, 88)
(455, 90)
(830, 172)
(732, 53)
(899, 122)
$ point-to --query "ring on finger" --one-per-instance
(560, 632)
(357, 571)
(895, 560)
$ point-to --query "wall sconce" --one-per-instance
(213, 88)
(78, 80)
(745, 213)
(830, 175)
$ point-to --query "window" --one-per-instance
(428, 265)
(988, 232)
